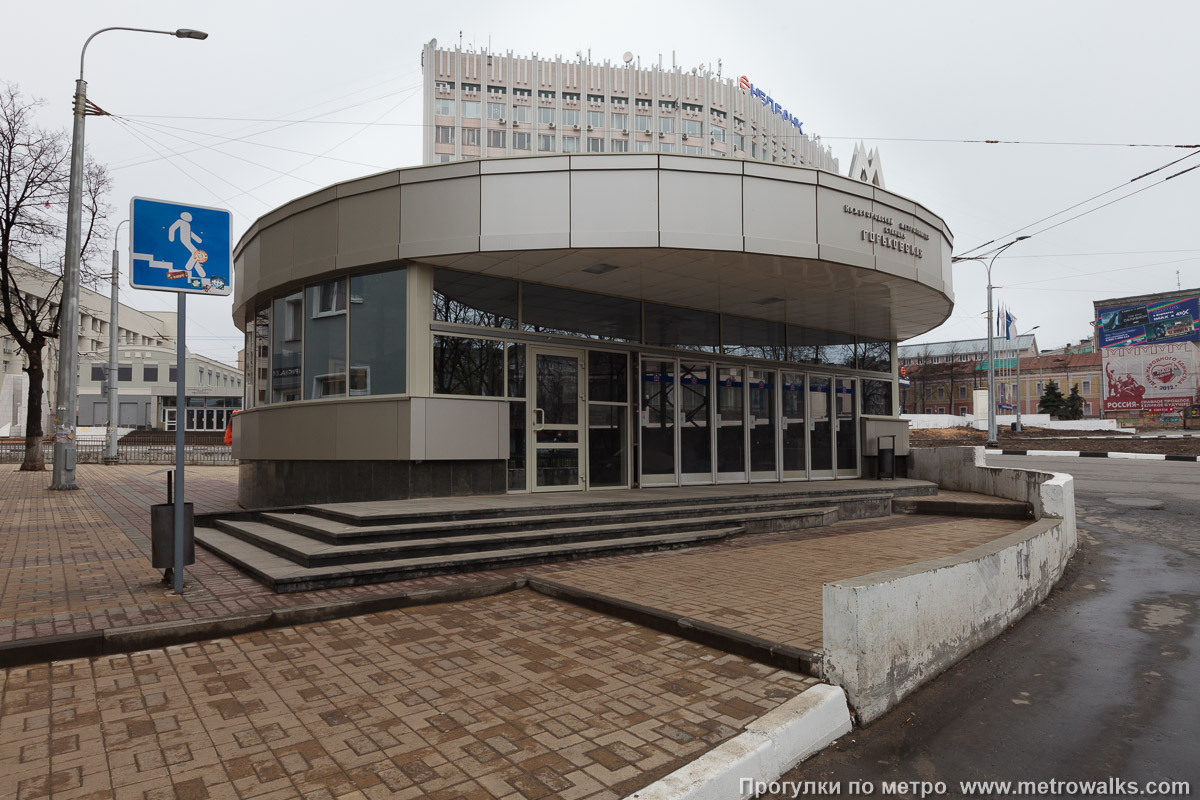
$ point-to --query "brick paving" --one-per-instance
(517, 696)
(773, 590)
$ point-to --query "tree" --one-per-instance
(35, 170)
(1073, 408)
(1052, 402)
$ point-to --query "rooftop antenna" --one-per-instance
(1178, 285)
(627, 57)
(718, 69)
(460, 40)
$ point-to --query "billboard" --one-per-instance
(1151, 378)
(1164, 321)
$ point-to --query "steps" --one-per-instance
(325, 546)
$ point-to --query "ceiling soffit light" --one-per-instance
(600, 269)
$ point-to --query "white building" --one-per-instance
(144, 339)
(482, 105)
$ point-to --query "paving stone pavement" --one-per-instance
(773, 590)
(516, 696)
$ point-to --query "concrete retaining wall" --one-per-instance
(887, 633)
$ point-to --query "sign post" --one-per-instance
(185, 249)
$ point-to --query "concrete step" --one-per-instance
(340, 532)
(284, 575)
(993, 507)
(390, 513)
(310, 552)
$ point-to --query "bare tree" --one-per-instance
(34, 183)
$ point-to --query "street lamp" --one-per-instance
(67, 395)
(110, 440)
(992, 438)
(1019, 335)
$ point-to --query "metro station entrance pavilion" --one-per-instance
(575, 323)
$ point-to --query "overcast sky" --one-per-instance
(1085, 73)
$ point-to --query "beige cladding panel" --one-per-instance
(438, 217)
(369, 228)
(465, 429)
(276, 259)
(295, 431)
(839, 231)
(525, 211)
(315, 239)
(369, 431)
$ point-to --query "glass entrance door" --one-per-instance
(658, 427)
(763, 426)
(695, 423)
(556, 423)
(731, 425)
(846, 433)
(792, 420)
(820, 426)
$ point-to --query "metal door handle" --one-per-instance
(539, 421)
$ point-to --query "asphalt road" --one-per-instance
(1102, 680)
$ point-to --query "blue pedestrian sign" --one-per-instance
(180, 248)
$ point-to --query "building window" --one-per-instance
(640, 103)
(570, 116)
(172, 374)
(595, 144)
(443, 134)
(520, 141)
(377, 333)
(545, 143)
(620, 146)
(150, 373)
(1087, 408)
(97, 372)
(465, 298)
(471, 109)
(941, 390)
(522, 93)
(666, 147)
(962, 393)
(496, 110)
(755, 338)
(470, 137)
(570, 144)
(739, 142)
(667, 106)
(286, 349)
(570, 97)
(641, 146)
(548, 309)
(693, 127)
(1040, 389)
(443, 107)
(595, 119)
(642, 122)
(1086, 387)
(496, 139)
(444, 158)
(666, 124)
(473, 367)
(693, 150)
(546, 115)
(877, 398)
(717, 133)
(670, 326)
(325, 341)
(521, 113)
(125, 373)
(546, 95)
(874, 355)
(620, 121)
(443, 86)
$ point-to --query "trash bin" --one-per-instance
(162, 536)
(887, 458)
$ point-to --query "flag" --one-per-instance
(1009, 323)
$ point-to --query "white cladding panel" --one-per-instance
(779, 217)
(700, 211)
(614, 208)
(525, 211)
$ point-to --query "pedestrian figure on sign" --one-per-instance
(186, 237)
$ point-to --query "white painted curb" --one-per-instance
(769, 747)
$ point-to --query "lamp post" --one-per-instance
(67, 394)
(110, 439)
(992, 438)
(1019, 335)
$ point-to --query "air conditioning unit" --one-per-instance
(661, 134)
(551, 125)
(625, 131)
(685, 137)
(516, 124)
(576, 126)
(503, 121)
